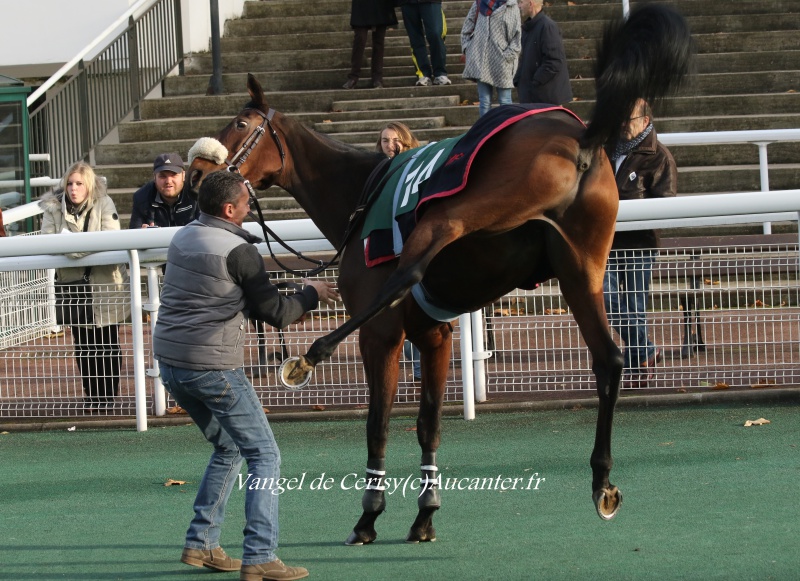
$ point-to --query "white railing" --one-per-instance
(135, 247)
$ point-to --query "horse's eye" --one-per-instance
(241, 124)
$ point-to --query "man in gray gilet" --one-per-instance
(215, 281)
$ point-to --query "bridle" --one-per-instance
(368, 195)
(238, 160)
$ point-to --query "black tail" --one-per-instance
(646, 56)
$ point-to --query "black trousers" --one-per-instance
(360, 44)
(99, 357)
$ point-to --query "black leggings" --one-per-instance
(98, 354)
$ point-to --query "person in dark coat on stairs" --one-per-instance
(542, 75)
(366, 15)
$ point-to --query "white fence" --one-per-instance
(536, 345)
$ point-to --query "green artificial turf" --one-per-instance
(704, 498)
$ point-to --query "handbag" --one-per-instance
(74, 298)
(74, 301)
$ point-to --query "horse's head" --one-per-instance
(249, 145)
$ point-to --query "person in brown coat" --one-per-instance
(644, 168)
(366, 15)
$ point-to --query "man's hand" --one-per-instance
(326, 290)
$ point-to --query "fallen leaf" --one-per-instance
(554, 312)
(501, 313)
(758, 422)
(411, 429)
(318, 408)
(327, 121)
(266, 410)
(708, 281)
(171, 482)
(570, 3)
(720, 385)
(681, 390)
(791, 91)
(71, 429)
(176, 410)
(763, 384)
(4, 433)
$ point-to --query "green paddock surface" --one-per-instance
(704, 498)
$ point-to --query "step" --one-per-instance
(401, 65)
(559, 10)
(286, 101)
(591, 28)
(416, 124)
(754, 82)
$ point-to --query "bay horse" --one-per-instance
(540, 202)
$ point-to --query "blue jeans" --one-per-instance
(425, 21)
(625, 289)
(227, 410)
(485, 97)
(411, 353)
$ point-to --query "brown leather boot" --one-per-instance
(214, 559)
(272, 571)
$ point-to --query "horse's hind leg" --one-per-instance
(434, 377)
(581, 285)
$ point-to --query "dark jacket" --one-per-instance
(542, 75)
(149, 208)
(369, 13)
(648, 171)
(215, 280)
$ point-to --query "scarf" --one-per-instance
(625, 147)
(486, 7)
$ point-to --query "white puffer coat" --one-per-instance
(492, 45)
(110, 283)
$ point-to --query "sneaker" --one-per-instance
(442, 80)
(424, 82)
(377, 84)
(350, 84)
(214, 559)
(273, 571)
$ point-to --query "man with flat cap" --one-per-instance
(162, 202)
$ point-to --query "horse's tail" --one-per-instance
(646, 56)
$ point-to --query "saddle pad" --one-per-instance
(437, 170)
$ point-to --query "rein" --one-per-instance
(368, 196)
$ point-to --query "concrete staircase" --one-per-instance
(747, 77)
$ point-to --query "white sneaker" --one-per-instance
(424, 82)
(441, 80)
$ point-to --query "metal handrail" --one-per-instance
(81, 112)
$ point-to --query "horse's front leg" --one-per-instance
(382, 367)
(427, 239)
(435, 360)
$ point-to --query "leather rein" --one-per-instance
(368, 195)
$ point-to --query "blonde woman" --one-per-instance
(395, 138)
(81, 204)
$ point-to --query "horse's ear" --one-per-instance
(256, 92)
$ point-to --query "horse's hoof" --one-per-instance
(357, 539)
(295, 374)
(421, 536)
(607, 501)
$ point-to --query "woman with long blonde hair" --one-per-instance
(81, 204)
